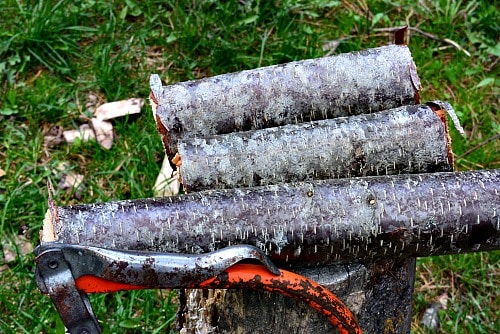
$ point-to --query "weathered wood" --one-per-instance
(408, 139)
(304, 223)
(348, 84)
(378, 293)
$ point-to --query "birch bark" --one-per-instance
(409, 139)
(303, 223)
(348, 84)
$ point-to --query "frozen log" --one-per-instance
(302, 223)
(408, 139)
(344, 85)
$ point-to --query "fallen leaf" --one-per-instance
(104, 132)
(53, 136)
(71, 181)
(2, 172)
(119, 108)
(443, 300)
(14, 247)
(62, 166)
(92, 100)
(85, 133)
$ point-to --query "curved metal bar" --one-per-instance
(151, 269)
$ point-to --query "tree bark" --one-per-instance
(303, 223)
(348, 84)
(378, 224)
(409, 139)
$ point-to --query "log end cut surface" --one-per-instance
(47, 233)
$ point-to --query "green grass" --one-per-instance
(54, 54)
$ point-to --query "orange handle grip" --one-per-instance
(94, 284)
(257, 277)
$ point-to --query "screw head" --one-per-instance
(53, 264)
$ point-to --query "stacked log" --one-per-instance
(330, 165)
(345, 85)
(304, 223)
(306, 121)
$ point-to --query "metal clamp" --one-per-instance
(61, 271)
(68, 272)
(54, 277)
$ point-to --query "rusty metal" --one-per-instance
(253, 277)
(54, 277)
(149, 269)
(418, 215)
(379, 295)
(60, 266)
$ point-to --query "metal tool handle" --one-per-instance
(67, 272)
(54, 277)
(64, 271)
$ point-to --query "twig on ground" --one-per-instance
(428, 35)
(472, 149)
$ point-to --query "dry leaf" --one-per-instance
(71, 180)
(53, 136)
(85, 133)
(167, 182)
(2, 172)
(119, 108)
(430, 318)
(92, 100)
(62, 166)
(443, 300)
(18, 245)
(104, 132)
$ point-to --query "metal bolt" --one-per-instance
(53, 264)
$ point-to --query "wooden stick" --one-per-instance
(305, 223)
(348, 84)
(409, 139)
(481, 144)
(428, 35)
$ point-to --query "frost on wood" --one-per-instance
(409, 139)
(348, 84)
(305, 223)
